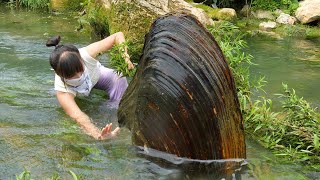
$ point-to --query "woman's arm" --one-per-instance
(69, 105)
(105, 44)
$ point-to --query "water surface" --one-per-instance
(293, 61)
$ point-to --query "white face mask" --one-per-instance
(77, 81)
(82, 85)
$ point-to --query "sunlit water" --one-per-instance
(36, 135)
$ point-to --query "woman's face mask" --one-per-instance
(77, 81)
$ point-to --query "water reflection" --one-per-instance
(178, 168)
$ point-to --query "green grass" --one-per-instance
(32, 4)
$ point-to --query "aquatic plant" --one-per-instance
(26, 175)
(74, 176)
(302, 123)
(292, 132)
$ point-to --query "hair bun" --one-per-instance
(54, 41)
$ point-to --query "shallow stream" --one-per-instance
(36, 135)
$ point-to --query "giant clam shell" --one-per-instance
(183, 99)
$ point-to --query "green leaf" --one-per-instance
(316, 141)
(257, 128)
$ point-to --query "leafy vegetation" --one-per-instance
(312, 33)
(289, 5)
(302, 124)
(292, 132)
(34, 4)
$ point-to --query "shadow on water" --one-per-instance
(35, 134)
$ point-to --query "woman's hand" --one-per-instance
(107, 133)
(127, 59)
(130, 65)
(69, 105)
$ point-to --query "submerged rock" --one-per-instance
(183, 98)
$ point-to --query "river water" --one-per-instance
(293, 61)
(36, 135)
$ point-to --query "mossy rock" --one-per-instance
(212, 12)
(227, 14)
(95, 21)
(131, 19)
(134, 21)
(103, 19)
(65, 5)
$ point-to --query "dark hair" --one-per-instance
(65, 59)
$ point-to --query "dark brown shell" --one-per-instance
(183, 99)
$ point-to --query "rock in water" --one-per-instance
(183, 98)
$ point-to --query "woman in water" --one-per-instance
(77, 71)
